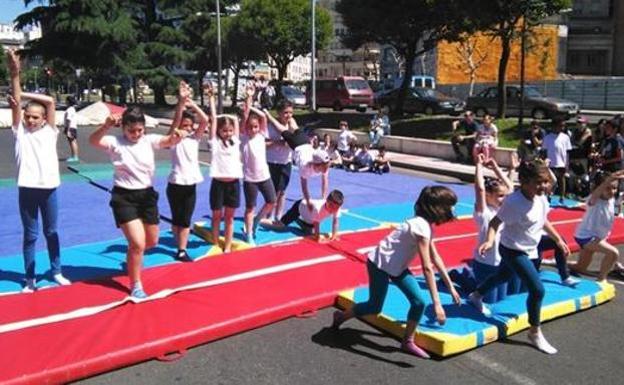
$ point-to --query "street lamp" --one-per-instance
(219, 64)
(313, 57)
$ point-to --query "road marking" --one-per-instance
(87, 311)
(500, 369)
(347, 212)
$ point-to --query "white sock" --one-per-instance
(477, 301)
(539, 341)
(61, 280)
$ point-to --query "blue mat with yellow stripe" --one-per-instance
(465, 327)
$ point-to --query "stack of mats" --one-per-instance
(91, 327)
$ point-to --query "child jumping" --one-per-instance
(134, 201)
(309, 220)
(38, 176)
(185, 172)
(391, 259)
(255, 168)
(226, 169)
(591, 234)
(523, 214)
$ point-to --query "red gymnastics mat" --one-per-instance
(67, 333)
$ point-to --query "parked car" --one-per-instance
(417, 81)
(294, 95)
(421, 100)
(342, 92)
(535, 104)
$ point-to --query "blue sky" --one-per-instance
(9, 9)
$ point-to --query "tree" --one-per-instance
(410, 27)
(500, 19)
(284, 27)
(472, 57)
(4, 73)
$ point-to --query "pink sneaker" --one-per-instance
(338, 319)
(410, 347)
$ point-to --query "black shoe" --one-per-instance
(618, 274)
(182, 256)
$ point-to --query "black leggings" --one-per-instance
(296, 138)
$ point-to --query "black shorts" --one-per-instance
(251, 192)
(182, 202)
(71, 134)
(224, 194)
(280, 175)
(129, 205)
(296, 138)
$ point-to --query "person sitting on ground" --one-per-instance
(345, 138)
(363, 160)
(334, 156)
(70, 121)
(467, 139)
(327, 142)
(309, 217)
(349, 156)
(381, 164)
(486, 139)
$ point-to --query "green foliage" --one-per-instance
(4, 72)
(283, 27)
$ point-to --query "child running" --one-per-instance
(591, 234)
(391, 259)
(38, 176)
(311, 162)
(523, 214)
(489, 194)
(185, 172)
(309, 220)
(255, 168)
(226, 169)
(134, 201)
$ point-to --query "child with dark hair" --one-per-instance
(363, 161)
(70, 121)
(391, 259)
(381, 164)
(185, 172)
(134, 201)
(309, 220)
(38, 175)
(524, 215)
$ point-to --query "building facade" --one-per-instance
(338, 60)
(596, 38)
(10, 38)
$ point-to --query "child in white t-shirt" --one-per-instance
(591, 234)
(486, 139)
(134, 201)
(185, 172)
(345, 138)
(309, 220)
(256, 174)
(226, 169)
(524, 215)
(391, 259)
(70, 121)
(311, 162)
(381, 164)
(38, 176)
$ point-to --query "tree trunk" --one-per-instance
(502, 70)
(200, 86)
(410, 57)
(281, 74)
(236, 69)
(159, 96)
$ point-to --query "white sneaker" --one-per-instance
(476, 301)
(570, 281)
(539, 341)
(30, 286)
(62, 281)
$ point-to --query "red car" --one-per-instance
(343, 92)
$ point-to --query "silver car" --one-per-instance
(535, 104)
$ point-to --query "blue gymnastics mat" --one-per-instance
(465, 327)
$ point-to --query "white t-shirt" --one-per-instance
(226, 161)
(277, 153)
(303, 157)
(255, 167)
(486, 136)
(597, 220)
(524, 221)
(133, 162)
(36, 157)
(492, 256)
(185, 162)
(557, 146)
(395, 252)
(344, 138)
(70, 118)
(318, 212)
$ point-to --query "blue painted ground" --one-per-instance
(85, 219)
(465, 319)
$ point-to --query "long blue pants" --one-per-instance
(481, 272)
(378, 281)
(518, 262)
(31, 201)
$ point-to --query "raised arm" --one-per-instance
(276, 123)
(201, 115)
(262, 120)
(479, 185)
(209, 92)
(492, 164)
(95, 139)
(15, 98)
(183, 95)
(250, 91)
